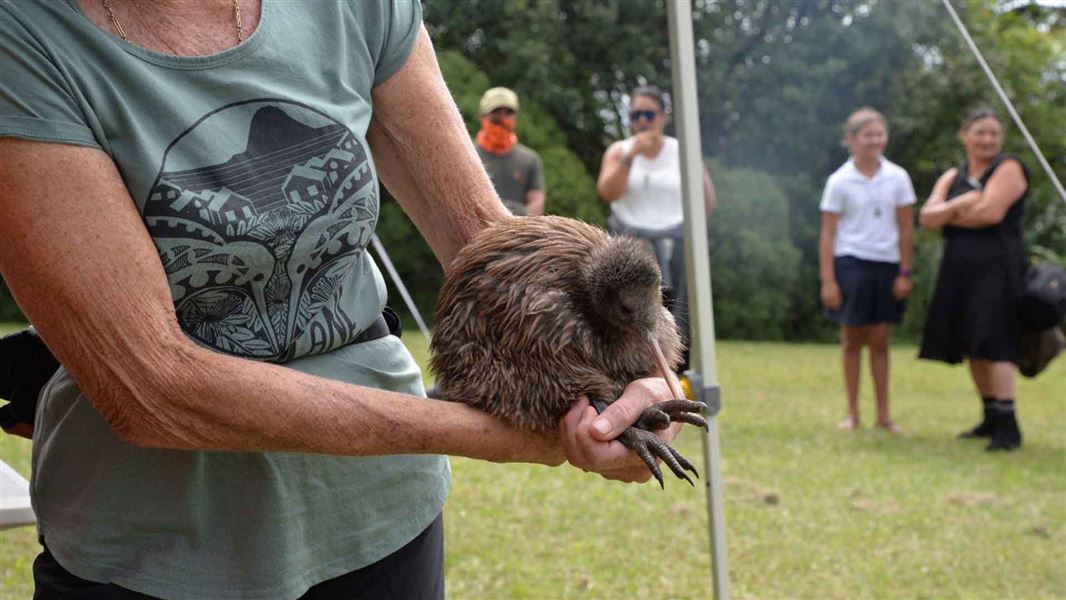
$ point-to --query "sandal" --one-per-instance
(890, 427)
(848, 424)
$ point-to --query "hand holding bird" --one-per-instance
(591, 449)
(537, 312)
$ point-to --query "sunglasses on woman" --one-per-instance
(647, 115)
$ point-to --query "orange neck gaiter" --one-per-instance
(497, 138)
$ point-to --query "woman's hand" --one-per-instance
(936, 212)
(831, 294)
(901, 287)
(588, 438)
(644, 143)
(943, 183)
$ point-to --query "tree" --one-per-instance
(9, 311)
(777, 78)
(753, 262)
(575, 58)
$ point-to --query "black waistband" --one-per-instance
(388, 322)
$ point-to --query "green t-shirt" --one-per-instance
(252, 172)
(513, 174)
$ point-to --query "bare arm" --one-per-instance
(432, 169)
(937, 211)
(830, 290)
(905, 222)
(536, 195)
(903, 284)
(710, 198)
(1003, 189)
(535, 200)
(614, 174)
(103, 306)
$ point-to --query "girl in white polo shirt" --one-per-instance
(865, 255)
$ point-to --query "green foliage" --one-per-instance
(9, 311)
(753, 266)
(1025, 49)
(575, 58)
(571, 191)
(776, 81)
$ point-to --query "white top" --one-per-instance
(652, 199)
(867, 228)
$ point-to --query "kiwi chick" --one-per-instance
(536, 311)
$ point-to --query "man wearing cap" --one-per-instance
(515, 170)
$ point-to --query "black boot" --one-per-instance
(984, 428)
(1007, 435)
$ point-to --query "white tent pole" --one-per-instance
(1006, 100)
(704, 379)
(384, 256)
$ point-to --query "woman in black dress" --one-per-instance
(973, 314)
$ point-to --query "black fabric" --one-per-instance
(1043, 301)
(26, 365)
(984, 428)
(378, 329)
(1039, 348)
(1011, 225)
(392, 320)
(1006, 435)
(866, 292)
(974, 310)
(414, 571)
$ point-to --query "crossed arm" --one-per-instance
(978, 208)
(80, 263)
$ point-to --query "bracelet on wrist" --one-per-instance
(627, 161)
(906, 273)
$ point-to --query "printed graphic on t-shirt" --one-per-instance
(258, 230)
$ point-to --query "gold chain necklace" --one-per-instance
(122, 32)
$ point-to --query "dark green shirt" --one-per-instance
(513, 174)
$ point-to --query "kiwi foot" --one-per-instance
(661, 414)
(648, 447)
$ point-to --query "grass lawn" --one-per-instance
(811, 512)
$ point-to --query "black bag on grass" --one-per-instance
(1039, 348)
(1043, 301)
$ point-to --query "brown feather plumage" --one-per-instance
(538, 310)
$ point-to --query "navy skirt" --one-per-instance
(866, 292)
